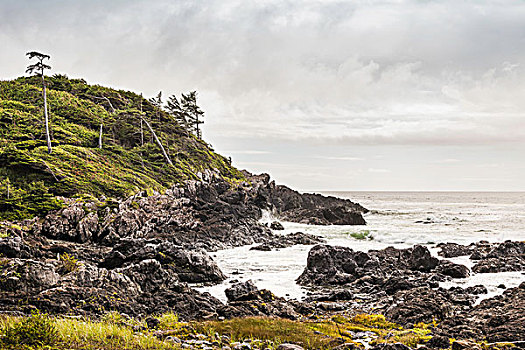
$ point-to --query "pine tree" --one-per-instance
(174, 108)
(38, 69)
(157, 102)
(193, 112)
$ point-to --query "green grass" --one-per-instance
(31, 180)
(75, 334)
(115, 331)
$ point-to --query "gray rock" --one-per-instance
(288, 346)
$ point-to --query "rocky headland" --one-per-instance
(109, 228)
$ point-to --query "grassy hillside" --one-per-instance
(31, 179)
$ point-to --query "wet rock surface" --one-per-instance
(389, 269)
(245, 299)
(135, 256)
(403, 284)
(489, 257)
(291, 239)
(209, 214)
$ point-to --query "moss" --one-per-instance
(124, 165)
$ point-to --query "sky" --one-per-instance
(322, 95)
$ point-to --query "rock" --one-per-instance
(392, 269)
(152, 322)
(421, 260)
(283, 241)
(276, 225)
(242, 291)
(453, 270)
(453, 250)
(476, 290)
(394, 346)
(501, 318)
(438, 342)
(188, 265)
(288, 346)
(315, 209)
(263, 247)
(465, 345)
(424, 304)
(500, 257)
(328, 265)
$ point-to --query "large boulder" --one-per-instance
(187, 265)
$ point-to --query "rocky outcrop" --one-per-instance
(489, 257)
(387, 270)
(502, 318)
(245, 299)
(307, 208)
(147, 280)
(315, 209)
(209, 214)
(187, 265)
(291, 239)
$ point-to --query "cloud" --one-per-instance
(355, 159)
(333, 74)
(249, 152)
(379, 171)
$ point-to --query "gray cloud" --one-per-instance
(335, 74)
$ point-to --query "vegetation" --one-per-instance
(38, 69)
(32, 181)
(37, 330)
(69, 263)
(362, 235)
(115, 331)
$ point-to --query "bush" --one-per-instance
(69, 263)
(36, 330)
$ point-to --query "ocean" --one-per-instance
(399, 219)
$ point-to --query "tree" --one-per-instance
(174, 108)
(158, 141)
(157, 102)
(193, 112)
(38, 69)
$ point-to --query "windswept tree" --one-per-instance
(38, 69)
(157, 102)
(174, 108)
(193, 112)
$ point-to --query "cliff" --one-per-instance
(32, 181)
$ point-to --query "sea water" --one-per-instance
(398, 219)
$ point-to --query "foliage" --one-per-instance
(36, 330)
(124, 165)
(115, 331)
(69, 263)
(270, 329)
(168, 320)
(362, 235)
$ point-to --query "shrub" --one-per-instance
(69, 263)
(36, 330)
(168, 320)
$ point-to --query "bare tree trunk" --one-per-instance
(48, 138)
(198, 131)
(100, 137)
(158, 142)
(141, 133)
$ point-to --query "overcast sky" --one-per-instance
(323, 95)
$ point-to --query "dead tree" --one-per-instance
(158, 141)
(38, 69)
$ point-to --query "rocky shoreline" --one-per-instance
(137, 256)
